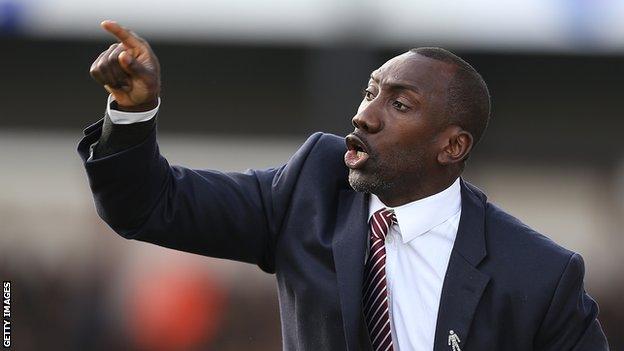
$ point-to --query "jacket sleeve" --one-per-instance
(117, 137)
(571, 322)
(227, 215)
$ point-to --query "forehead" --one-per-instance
(426, 74)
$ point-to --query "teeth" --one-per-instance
(360, 153)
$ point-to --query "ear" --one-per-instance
(456, 144)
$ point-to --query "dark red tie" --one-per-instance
(374, 295)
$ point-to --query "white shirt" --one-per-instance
(417, 255)
(121, 117)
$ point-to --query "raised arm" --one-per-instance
(140, 196)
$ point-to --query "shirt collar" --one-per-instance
(420, 216)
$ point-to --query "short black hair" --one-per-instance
(468, 98)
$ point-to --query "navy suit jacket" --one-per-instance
(506, 286)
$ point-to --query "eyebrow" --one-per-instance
(396, 85)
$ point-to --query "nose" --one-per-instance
(367, 119)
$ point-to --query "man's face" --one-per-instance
(393, 147)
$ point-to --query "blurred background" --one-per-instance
(244, 83)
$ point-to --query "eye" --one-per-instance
(400, 106)
(367, 94)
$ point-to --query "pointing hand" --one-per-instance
(128, 70)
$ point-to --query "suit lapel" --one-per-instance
(349, 247)
(464, 283)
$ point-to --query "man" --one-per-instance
(383, 247)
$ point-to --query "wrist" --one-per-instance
(143, 107)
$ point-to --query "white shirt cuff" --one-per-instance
(121, 117)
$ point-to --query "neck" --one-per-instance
(401, 195)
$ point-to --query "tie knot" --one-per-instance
(381, 222)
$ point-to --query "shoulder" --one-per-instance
(319, 146)
(507, 232)
(540, 282)
(521, 253)
(526, 263)
(325, 143)
(326, 150)
(320, 159)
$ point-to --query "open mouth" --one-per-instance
(357, 153)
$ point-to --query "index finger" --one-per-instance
(129, 39)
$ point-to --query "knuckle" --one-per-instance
(113, 55)
(97, 76)
(97, 60)
(103, 67)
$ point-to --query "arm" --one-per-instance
(130, 71)
(571, 322)
(118, 137)
(137, 192)
(228, 215)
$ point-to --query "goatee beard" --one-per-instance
(373, 184)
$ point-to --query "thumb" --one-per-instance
(130, 65)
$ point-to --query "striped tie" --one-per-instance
(374, 296)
